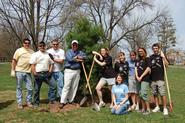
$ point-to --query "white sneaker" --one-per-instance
(137, 107)
(156, 109)
(165, 111)
(101, 104)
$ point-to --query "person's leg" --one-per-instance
(122, 110)
(144, 94)
(162, 91)
(37, 86)
(19, 80)
(154, 87)
(60, 83)
(74, 86)
(133, 97)
(68, 77)
(29, 88)
(52, 88)
(113, 110)
(138, 86)
(99, 86)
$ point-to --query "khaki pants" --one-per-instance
(71, 81)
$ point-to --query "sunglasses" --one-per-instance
(41, 45)
(55, 44)
(26, 43)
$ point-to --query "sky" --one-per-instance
(177, 11)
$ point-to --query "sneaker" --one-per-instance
(20, 106)
(146, 112)
(156, 109)
(61, 106)
(137, 108)
(165, 111)
(29, 104)
(53, 102)
(111, 106)
(102, 104)
(133, 107)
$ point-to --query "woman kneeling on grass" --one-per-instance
(120, 96)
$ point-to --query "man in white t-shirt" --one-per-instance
(58, 56)
(41, 66)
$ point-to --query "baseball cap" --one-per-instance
(74, 41)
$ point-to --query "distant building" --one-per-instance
(176, 57)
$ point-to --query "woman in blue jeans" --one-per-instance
(120, 96)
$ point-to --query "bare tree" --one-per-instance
(166, 33)
(115, 15)
(37, 17)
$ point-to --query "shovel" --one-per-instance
(95, 106)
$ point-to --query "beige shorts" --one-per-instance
(109, 81)
(158, 87)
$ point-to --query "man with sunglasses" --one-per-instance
(41, 66)
(58, 56)
(22, 71)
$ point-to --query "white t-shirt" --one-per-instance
(41, 60)
(59, 54)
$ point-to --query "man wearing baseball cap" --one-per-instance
(74, 57)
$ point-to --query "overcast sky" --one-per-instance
(177, 11)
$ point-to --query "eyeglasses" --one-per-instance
(55, 44)
(41, 45)
(26, 43)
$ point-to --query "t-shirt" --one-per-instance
(157, 69)
(107, 70)
(120, 91)
(41, 60)
(59, 54)
(141, 67)
(131, 68)
(22, 56)
(122, 68)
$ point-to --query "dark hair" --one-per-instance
(26, 39)
(122, 53)
(156, 45)
(117, 77)
(42, 43)
(55, 40)
(133, 52)
(143, 50)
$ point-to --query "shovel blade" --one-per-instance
(95, 107)
(83, 100)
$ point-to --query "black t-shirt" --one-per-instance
(122, 68)
(107, 71)
(157, 69)
(141, 65)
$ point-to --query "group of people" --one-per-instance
(127, 79)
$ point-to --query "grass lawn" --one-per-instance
(9, 112)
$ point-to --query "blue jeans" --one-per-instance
(58, 77)
(43, 77)
(122, 110)
(26, 77)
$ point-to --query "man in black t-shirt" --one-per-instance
(157, 77)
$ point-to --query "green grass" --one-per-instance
(9, 113)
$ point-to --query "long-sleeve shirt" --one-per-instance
(71, 63)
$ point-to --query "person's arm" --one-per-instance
(13, 65)
(50, 68)
(33, 70)
(147, 70)
(124, 100)
(136, 74)
(99, 62)
(96, 53)
(165, 61)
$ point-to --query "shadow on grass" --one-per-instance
(6, 104)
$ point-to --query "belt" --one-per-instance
(42, 72)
